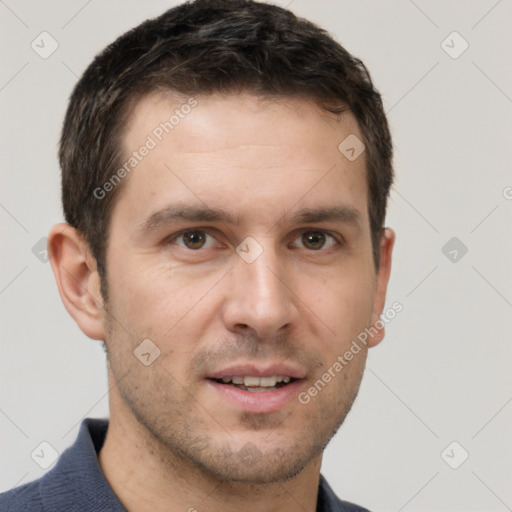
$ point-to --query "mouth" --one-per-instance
(256, 384)
(256, 389)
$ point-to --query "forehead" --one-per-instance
(204, 122)
(239, 150)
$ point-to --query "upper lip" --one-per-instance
(262, 370)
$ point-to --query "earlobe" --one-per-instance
(386, 248)
(77, 279)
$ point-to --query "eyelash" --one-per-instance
(172, 239)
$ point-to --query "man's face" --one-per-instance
(259, 293)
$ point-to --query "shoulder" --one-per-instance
(25, 498)
(75, 479)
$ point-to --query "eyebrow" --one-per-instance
(203, 213)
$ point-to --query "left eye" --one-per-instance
(316, 240)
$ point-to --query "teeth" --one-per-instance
(267, 381)
(249, 381)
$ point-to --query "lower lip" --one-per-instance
(262, 402)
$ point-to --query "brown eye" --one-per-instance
(193, 240)
(316, 240)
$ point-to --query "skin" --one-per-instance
(173, 442)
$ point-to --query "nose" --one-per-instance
(260, 296)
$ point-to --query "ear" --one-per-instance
(387, 242)
(77, 278)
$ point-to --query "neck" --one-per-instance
(145, 477)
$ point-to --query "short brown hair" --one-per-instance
(204, 47)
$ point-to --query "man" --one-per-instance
(225, 173)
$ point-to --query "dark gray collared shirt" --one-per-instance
(76, 483)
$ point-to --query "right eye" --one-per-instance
(193, 239)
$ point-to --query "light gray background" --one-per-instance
(443, 372)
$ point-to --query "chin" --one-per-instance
(258, 473)
(253, 464)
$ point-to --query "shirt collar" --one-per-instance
(77, 483)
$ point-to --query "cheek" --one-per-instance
(159, 301)
(345, 305)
